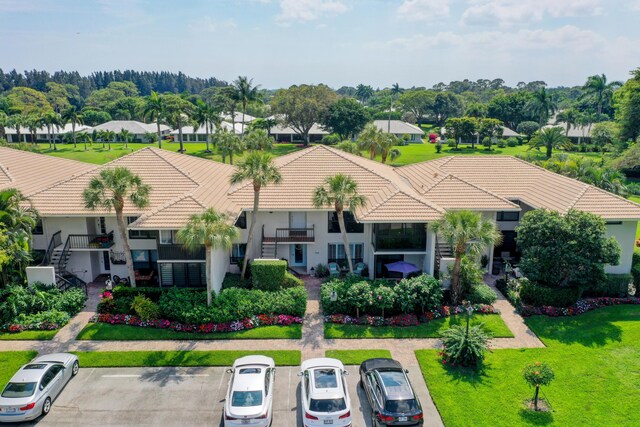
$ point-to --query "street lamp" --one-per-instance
(469, 310)
(508, 269)
(334, 296)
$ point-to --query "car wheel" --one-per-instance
(374, 420)
(360, 384)
(75, 368)
(46, 406)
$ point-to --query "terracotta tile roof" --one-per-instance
(451, 192)
(513, 178)
(172, 216)
(31, 172)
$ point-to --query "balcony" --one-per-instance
(409, 238)
(290, 235)
(90, 241)
(180, 253)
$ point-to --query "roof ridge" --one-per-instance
(578, 197)
(608, 193)
(167, 205)
(64, 181)
(482, 189)
(344, 155)
(153, 150)
(402, 192)
(438, 181)
(6, 173)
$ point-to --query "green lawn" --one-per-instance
(105, 359)
(596, 359)
(11, 361)
(107, 332)
(96, 154)
(492, 323)
(356, 357)
(28, 335)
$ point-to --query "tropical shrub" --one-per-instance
(58, 317)
(268, 275)
(614, 285)
(153, 294)
(360, 296)
(464, 348)
(481, 294)
(322, 270)
(419, 293)
(635, 271)
(512, 142)
(537, 295)
(235, 281)
(384, 298)
(290, 281)
(145, 308)
(536, 375)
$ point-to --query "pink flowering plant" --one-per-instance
(579, 307)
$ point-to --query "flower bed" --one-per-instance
(580, 307)
(408, 319)
(238, 325)
(18, 327)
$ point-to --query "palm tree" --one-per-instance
(73, 116)
(17, 121)
(245, 93)
(17, 220)
(126, 137)
(569, 117)
(84, 138)
(109, 190)
(33, 122)
(16, 212)
(205, 116)
(258, 139)
(228, 144)
(178, 111)
(467, 233)
(363, 93)
(213, 230)
(4, 122)
(550, 138)
(370, 138)
(386, 147)
(396, 91)
(258, 167)
(340, 191)
(51, 119)
(541, 105)
(154, 110)
(110, 137)
(602, 91)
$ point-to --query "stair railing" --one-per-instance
(62, 262)
(56, 240)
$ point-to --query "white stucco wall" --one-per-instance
(45, 274)
(219, 267)
(625, 234)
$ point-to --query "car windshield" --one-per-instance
(325, 378)
(327, 405)
(401, 406)
(19, 390)
(246, 398)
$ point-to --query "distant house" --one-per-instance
(510, 133)
(287, 134)
(576, 133)
(42, 133)
(137, 129)
(400, 128)
(199, 134)
(238, 117)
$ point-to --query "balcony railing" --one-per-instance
(179, 252)
(291, 235)
(400, 240)
(91, 241)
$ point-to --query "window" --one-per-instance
(18, 390)
(183, 274)
(267, 381)
(138, 234)
(337, 254)
(246, 398)
(102, 225)
(241, 222)
(168, 237)
(237, 252)
(38, 229)
(350, 223)
(508, 216)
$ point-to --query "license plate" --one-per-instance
(402, 418)
(328, 421)
(246, 421)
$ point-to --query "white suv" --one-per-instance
(325, 399)
(250, 394)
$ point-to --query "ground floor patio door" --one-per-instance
(298, 255)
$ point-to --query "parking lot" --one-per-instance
(180, 397)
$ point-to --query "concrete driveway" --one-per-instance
(179, 397)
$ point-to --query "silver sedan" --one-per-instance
(32, 390)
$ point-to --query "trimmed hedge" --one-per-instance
(291, 281)
(536, 295)
(268, 275)
(234, 281)
(615, 285)
(482, 294)
(635, 271)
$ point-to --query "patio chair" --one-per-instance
(359, 268)
(334, 269)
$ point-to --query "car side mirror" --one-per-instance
(406, 371)
(300, 373)
(345, 372)
(229, 371)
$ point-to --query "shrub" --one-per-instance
(176, 303)
(16, 300)
(482, 294)
(536, 375)
(145, 308)
(614, 285)
(331, 139)
(383, 298)
(322, 271)
(360, 296)
(422, 293)
(71, 301)
(340, 306)
(234, 281)
(153, 294)
(49, 316)
(635, 271)
(291, 281)
(470, 274)
(533, 294)
(462, 348)
(512, 142)
(268, 275)
(501, 143)
(439, 147)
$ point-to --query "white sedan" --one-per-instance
(325, 398)
(250, 394)
(32, 390)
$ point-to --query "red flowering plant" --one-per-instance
(579, 307)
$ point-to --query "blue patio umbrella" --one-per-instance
(402, 267)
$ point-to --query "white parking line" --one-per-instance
(121, 376)
(138, 375)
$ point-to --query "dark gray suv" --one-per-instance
(390, 394)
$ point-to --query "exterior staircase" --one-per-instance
(60, 259)
(58, 256)
(268, 250)
(443, 250)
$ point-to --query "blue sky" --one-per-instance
(337, 42)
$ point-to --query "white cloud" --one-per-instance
(423, 10)
(308, 10)
(635, 5)
(207, 24)
(422, 41)
(510, 12)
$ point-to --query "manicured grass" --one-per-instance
(356, 357)
(105, 359)
(596, 360)
(11, 361)
(28, 335)
(96, 154)
(107, 332)
(493, 323)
